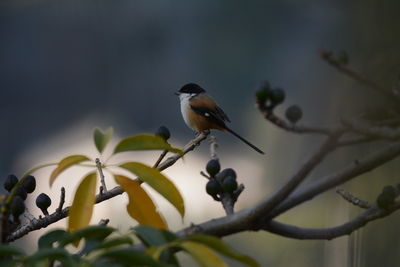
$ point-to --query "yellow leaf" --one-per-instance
(81, 209)
(145, 142)
(158, 182)
(205, 256)
(66, 163)
(140, 206)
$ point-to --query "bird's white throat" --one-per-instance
(185, 106)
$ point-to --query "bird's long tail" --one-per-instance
(245, 141)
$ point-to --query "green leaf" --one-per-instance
(140, 206)
(81, 209)
(205, 256)
(95, 232)
(153, 237)
(145, 142)
(131, 257)
(47, 240)
(158, 182)
(101, 139)
(218, 245)
(66, 163)
(49, 254)
(114, 242)
(7, 250)
(158, 242)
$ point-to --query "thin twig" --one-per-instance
(102, 179)
(104, 222)
(351, 171)
(295, 128)
(358, 77)
(353, 199)
(367, 129)
(291, 231)
(213, 147)
(269, 203)
(62, 200)
(160, 158)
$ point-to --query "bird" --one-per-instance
(202, 113)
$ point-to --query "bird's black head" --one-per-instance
(191, 88)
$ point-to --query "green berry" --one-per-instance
(29, 183)
(17, 206)
(10, 182)
(43, 201)
(213, 167)
(293, 113)
(213, 187)
(21, 191)
(229, 184)
(277, 96)
(163, 132)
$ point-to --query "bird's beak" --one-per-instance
(177, 93)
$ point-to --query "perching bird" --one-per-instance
(201, 112)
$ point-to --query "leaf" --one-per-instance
(82, 206)
(218, 245)
(101, 139)
(66, 163)
(158, 182)
(7, 250)
(140, 206)
(58, 254)
(131, 257)
(205, 256)
(157, 242)
(153, 237)
(145, 142)
(114, 242)
(95, 232)
(47, 240)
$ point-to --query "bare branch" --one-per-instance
(266, 205)
(188, 147)
(353, 170)
(295, 128)
(160, 158)
(62, 200)
(291, 231)
(367, 129)
(213, 147)
(102, 179)
(353, 199)
(358, 77)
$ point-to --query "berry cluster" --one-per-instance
(22, 189)
(269, 98)
(220, 182)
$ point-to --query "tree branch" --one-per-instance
(36, 224)
(291, 231)
(366, 129)
(327, 56)
(353, 170)
(295, 128)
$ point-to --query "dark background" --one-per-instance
(118, 63)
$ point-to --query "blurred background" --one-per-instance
(68, 66)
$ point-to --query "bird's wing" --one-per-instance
(204, 104)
